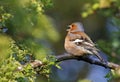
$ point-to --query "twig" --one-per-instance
(88, 58)
(34, 64)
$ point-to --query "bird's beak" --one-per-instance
(68, 30)
(69, 26)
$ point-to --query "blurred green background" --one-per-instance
(38, 27)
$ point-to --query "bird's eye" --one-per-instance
(72, 25)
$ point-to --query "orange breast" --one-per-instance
(72, 48)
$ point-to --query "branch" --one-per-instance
(88, 58)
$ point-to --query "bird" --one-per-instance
(78, 43)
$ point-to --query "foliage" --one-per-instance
(17, 67)
(108, 9)
(103, 7)
(4, 46)
(48, 63)
(9, 67)
(23, 29)
(25, 33)
(27, 24)
(84, 80)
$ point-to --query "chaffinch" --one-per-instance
(78, 43)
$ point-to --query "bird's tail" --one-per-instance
(98, 55)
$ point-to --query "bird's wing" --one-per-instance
(80, 36)
(82, 40)
(88, 46)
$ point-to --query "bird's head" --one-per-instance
(75, 27)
